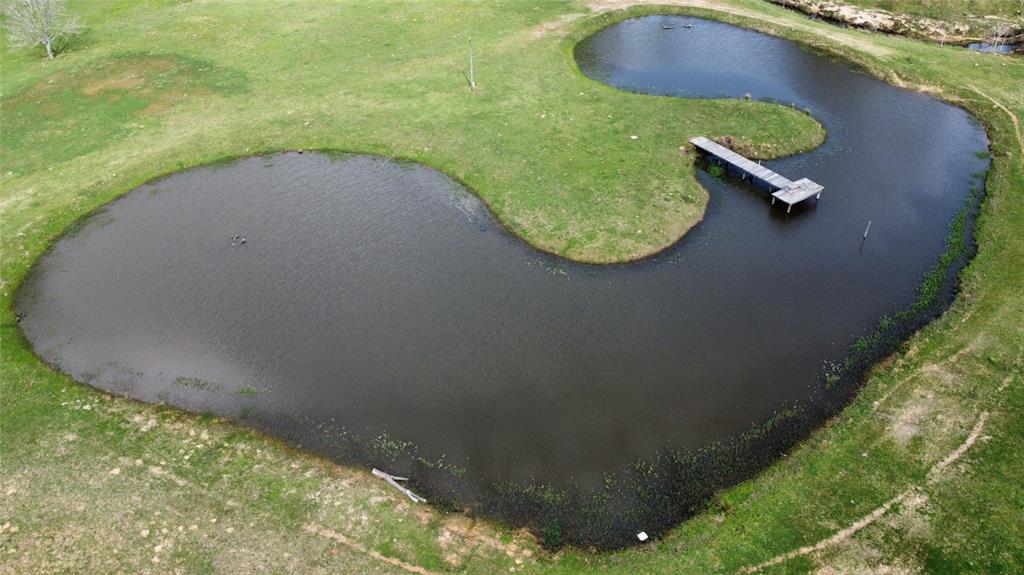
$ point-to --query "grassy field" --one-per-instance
(548, 150)
(922, 472)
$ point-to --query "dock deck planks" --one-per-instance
(788, 191)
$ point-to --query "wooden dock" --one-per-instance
(781, 187)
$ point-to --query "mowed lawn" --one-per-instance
(922, 472)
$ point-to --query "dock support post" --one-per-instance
(817, 197)
(773, 200)
(789, 208)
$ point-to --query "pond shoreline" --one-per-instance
(781, 431)
(736, 514)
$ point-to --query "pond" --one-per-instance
(377, 314)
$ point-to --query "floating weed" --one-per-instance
(548, 265)
(197, 383)
(246, 411)
(555, 269)
(551, 536)
(389, 448)
(833, 374)
(934, 294)
(247, 391)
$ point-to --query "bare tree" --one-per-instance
(45, 22)
(999, 33)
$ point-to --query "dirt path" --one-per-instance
(1013, 117)
(357, 546)
(881, 510)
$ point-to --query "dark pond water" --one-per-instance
(374, 303)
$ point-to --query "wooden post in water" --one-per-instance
(866, 230)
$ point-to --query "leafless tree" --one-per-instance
(999, 33)
(44, 22)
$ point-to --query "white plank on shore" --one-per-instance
(393, 481)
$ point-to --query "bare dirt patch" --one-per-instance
(461, 537)
(111, 76)
(113, 97)
(929, 412)
(557, 25)
(907, 422)
(128, 75)
(355, 545)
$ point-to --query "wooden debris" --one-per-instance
(393, 480)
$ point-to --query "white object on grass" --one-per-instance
(393, 480)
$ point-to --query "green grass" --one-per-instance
(90, 483)
(67, 117)
(547, 149)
